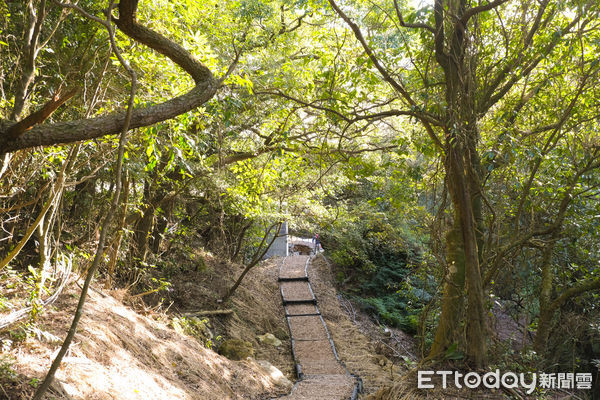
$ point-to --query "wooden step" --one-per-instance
(294, 279)
(303, 315)
(307, 301)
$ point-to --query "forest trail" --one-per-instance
(321, 375)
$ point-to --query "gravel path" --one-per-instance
(323, 377)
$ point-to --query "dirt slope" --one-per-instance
(123, 355)
(120, 354)
(361, 348)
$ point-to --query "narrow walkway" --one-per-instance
(321, 376)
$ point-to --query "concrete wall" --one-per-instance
(280, 247)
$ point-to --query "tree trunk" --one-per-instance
(464, 272)
(545, 297)
(260, 253)
(141, 232)
(452, 298)
(167, 203)
(462, 168)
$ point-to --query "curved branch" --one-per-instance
(398, 87)
(397, 113)
(359, 36)
(84, 129)
(413, 26)
(575, 291)
(471, 12)
(174, 51)
(111, 124)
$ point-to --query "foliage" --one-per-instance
(378, 254)
(197, 328)
(7, 372)
(351, 139)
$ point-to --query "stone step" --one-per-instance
(321, 375)
(303, 315)
(313, 350)
(299, 309)
(307, 328)
(324, 386)
(327, 367)
(295, 291)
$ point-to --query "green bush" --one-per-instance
(384, 280)
(392, 310)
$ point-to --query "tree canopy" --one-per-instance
(448, 151)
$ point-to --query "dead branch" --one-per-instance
(208, 312)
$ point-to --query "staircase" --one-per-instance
(321, 375)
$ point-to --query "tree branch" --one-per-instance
(175, 52)
(574, 291)
(84, 129)
(39, 116)
(386, 76)
(471, 12)
(359, 36)
(413, 26)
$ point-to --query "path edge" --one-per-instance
(358, 385)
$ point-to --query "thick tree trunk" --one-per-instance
(452, 300)
(462, 247)
(462, 168)
(543, 330)
(462, 201)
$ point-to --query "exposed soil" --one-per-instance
(257, 306)
(120, 354)
(302, 249)
(361, 345)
